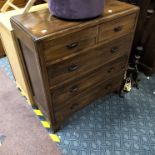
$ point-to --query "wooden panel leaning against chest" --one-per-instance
(70, 64)
(19, 3)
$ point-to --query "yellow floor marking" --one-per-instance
(38, 112)
(45, 124)
(55, 138)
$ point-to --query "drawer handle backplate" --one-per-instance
(118, 28)
(73, 67)
(114, 49)
(150, 12)
(72, 45)
(74, 89)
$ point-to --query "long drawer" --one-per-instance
(69, 44)
(116, 28)
(88, 61)
(88, 96)
(64, 93)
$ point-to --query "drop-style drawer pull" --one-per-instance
(72, 67)
(74, 89)
(72, 107)
(72, 45)
(114, 49)
(118, 28)
(150, 12)
(111, 69)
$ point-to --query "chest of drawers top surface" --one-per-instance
(41, 24)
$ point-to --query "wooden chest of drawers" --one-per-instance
(70, 64)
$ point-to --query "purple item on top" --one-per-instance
(76, 9)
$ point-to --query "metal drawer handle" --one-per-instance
(72, 45)
(74, 89)
(118, 28)
(114, 49)
(72, 107)
(73, 67)
(150, 12)
(111, 69)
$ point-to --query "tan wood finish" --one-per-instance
(69, 64)
(12, 4)
(11, 48)
(19, 3)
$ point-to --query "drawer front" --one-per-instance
(86, 97)
(64, 93)
(88, 61)
(67, 45)
(117, 28)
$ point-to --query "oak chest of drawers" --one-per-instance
(70, 64)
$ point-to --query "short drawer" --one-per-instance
(116, 28)
(69, 44)
(84, 63)
(88, 96)
(70, 90)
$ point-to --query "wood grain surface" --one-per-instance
(72, 63)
